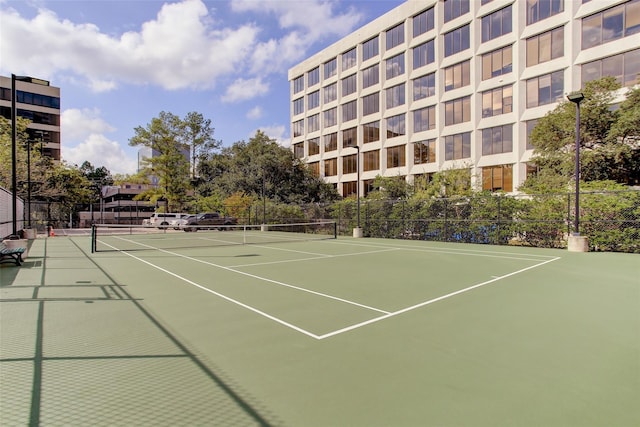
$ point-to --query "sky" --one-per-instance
(119, 63)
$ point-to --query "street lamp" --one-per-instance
(576, 243)
(14, 131)
(357, 232)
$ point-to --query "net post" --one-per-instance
(93, 238)
(335, 230)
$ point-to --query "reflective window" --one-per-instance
(349, 85)
(611, 24)
(330, 117)
(330, 68)
(457, 146)
(349, 188)
(458, 75)
(531, 124)
(537, 10)
(395, 66)
(313, 100)
(370, 76)
(456, 41)
(349, 137)
(313, 123)
(395, 126)
(349, 59)
(457, 111)
(396, 156)
(371, 160)
(370, 48)
(298, 106)
(371, 132)
(298, 150)
(545, 47)
(423, 22)
(298, 128)
(424, 119)
(497, 24)
(349, 111)
(298, 84)
(395, 36)
(545, 89)
(349, 164)
(497, 63)
(314, 146)
(330, 142)
(395, 95)
(455, 8)
(371, 104)
(498, 178)
(423, 54)
(497, 101)
(497, 140)
(313, 77)
(624, 67)
(331, 167)
(424, 152)
(424, 87)
(330, 93)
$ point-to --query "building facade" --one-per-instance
(449, 84)
(39, 102)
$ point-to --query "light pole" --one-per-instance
(357, 232)
(14, 132)
(576, 242)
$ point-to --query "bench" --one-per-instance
(11, 254)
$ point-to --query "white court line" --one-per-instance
(431, 301)
(264, 279)
(309, 259)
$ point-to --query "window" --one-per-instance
(349, 111)
(331, 167)
(497, 140)
(457, 111)
(298, 128)
(371, 104)
(611, 24)
(298, 84)
(458, 146)
(424, 152)
(395, 95)
(457, 76)
(424, 119)
(314, 146)
(624, 67)
(370, 76)
(424, 87)
(349, 137)
(396, 156)
(497, 101)
(545, 47)
(423, 54)
(298, 150)
(330, 93)
(423, 22)
(395, 126)
(313, 100)
(349, 85)
(531, 124)
(545, 89)
(349, 188)
(331, 117)
(455, 8)
(370, 49)
(349, 164)
(330, 142)
(315, 168)
(349, 59)
(497, 178)
(395, 66)
(395, 36)
(497, 63)
(313, 123)
(298, 106)
(371, 132)
(313, 77)
(537, 10)
(371, 160)
(496, 24)
(330, 68)
(456, 41)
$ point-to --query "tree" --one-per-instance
(608, 138)
(169, 162)
(198, 133)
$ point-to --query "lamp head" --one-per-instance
(575, 97)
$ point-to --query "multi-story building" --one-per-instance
(39, 102)
(447, 84)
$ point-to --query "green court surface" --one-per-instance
(337, 332)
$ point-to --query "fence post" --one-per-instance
(446, 225)
(568, 218)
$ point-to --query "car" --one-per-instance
(179, 223)
(209, 220)
(162, 219)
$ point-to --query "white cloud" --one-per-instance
(178, 49)
(77, 124)
(277, 132)
(255, 113)
(243, 89)
(100, 151)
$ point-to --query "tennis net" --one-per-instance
(111, 237)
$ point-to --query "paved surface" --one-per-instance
(76, 349)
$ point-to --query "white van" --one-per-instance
(162, 220)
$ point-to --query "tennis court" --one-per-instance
(237, 330)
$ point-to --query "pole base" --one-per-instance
(357, 232)
(578, 243)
